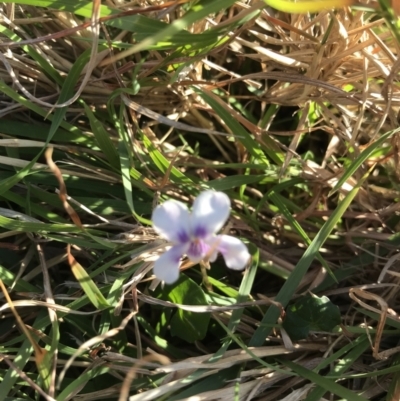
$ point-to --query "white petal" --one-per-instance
(166, 267)
(210, 212)
(213, 256)
(172, 221)
(233, 250)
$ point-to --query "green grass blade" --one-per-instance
(200, 10)
(296, 226)
(88, 285)
(327, 384)
(244, 292)
(68, 90)
(364, 156)
(163, 164)
(243, 135)
(81, 380)
(289, 288)
(103, 138)
(356, 349)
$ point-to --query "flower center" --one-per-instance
(197, 249)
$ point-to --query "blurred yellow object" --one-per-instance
(309, 6)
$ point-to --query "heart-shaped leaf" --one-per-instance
(190, 326)
(310, 313)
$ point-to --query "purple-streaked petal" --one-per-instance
(172, 221)
(197, 251)
(166, 267)
(210, 212)
(233, 250)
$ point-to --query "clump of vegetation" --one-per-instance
(108, 110)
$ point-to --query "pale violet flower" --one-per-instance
(193, 234)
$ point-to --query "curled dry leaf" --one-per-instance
(62, 187)
(384, 312)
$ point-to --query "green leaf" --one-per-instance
(188, 326)
(310, 313)
(88, 285)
